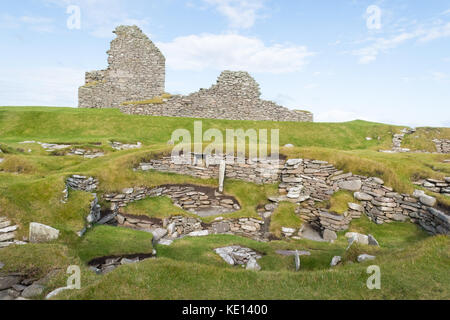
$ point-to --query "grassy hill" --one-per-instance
(413, 264)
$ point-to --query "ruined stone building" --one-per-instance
(136, 73)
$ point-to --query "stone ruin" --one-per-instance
(136, 74)
(235, 96)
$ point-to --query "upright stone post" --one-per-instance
(297, 260)
(221, 175)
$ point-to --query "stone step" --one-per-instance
(5, 224)
(7, 236)
(6, 244)
(8, 229)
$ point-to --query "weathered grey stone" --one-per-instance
(55, 292)
(2, 265)
(365, 257)
(297, 260)
(33, 291)
(418, 193)
(329, 235)
(287, 230)
(158, 234)
(377, 180)
(356, 207)
(165, 242)
(7, 236)
(7, 282)
(427, 200)
(372, 240)
(253, 265)
(399, 217)
(361, 196)
(335, 261)
(42, 233)
(439, 214)
(201, 233)
(350, 185)
(359, 238)
(4, 295)
(125, 261)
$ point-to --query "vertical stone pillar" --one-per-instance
(221, 175)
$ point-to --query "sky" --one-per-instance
(380, 60)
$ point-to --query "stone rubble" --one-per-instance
(87, 154)
(435, 185)
(203, 201)
(365, 257)
(18, 286)
(442, 145)
(106, 265)
(335, 261)
(235, 96)
(237, 255)
(124, 146)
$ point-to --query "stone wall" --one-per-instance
(203, 201)
(136, 72)
(442, 145)
(306, 182)
(437, 186)
(236, 96)
(259, 172)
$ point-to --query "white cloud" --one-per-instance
(234, 52)
(241, 14)
(41, 86)
(420, 34)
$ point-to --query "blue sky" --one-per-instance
(330, 57)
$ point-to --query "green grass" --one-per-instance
(338, 202)
(160, 207)
(420, 272)
(108, 241)
(284, 216)
(413, 264)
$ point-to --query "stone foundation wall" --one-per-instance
(437, 186)
(180, 226)
(259, 172)
(306, 181)
(442, 145)
(190, 198)
(236, 96)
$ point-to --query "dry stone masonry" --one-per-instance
(306, 182)
(136, 72)
(19, 286)
(442, 145)
(437, 186)
(237, 255)
(7, 233)
(85, 184)
(259, 171)
(203, 201)
(236, 96)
